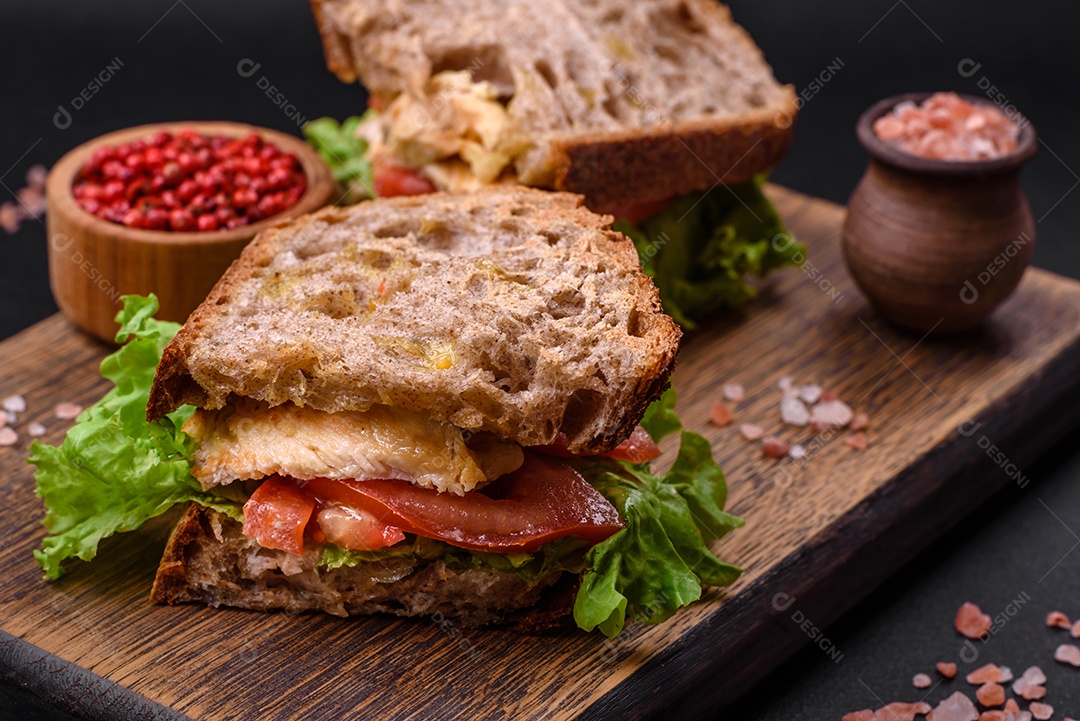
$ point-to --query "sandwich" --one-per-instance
(662, 113)
(441, 405)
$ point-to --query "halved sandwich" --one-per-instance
(434, 405)
(661, 112)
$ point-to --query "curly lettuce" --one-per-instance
(115, 470)
(346, 154)
(701, 250)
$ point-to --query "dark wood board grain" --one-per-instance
(820, 533)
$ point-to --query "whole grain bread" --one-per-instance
(510, 310)
(208, 560)
(624, 101)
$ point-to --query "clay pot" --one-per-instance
(936, 245)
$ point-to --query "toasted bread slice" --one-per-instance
(208, 560)
(623, 101)
(511, 310)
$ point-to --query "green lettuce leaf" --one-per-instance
(345, 153)
(661, 560)
(115, 470)
(660, 420)
(702, 250)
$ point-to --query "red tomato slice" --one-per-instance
(542, 501)
(636, 212)
(392, 180)
(356, 529)
(638, 448)
(276, 515)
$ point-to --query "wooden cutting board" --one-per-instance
(820, 532)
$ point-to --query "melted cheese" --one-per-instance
(250, 440)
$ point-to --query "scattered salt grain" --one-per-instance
(797, 452)
(1041, 711)
(720, 414)
(1006, 675)
(734, 392)
(1075, 631)
(991, 694)
(793, 412)
(946, 669)
(785, 384)
(36, 429)
(864, 715)
(957, 707)
(971, 621)
(751, 431)
(834, 413)
(14, 404)
(829, 395)
(1067, 653)
(995, 716)
(900, 711)
(921, 680)
(989, 673)
(1011, 706)
(11, 417)
(67, 411)
(860, 422)
(857, 441)
(773, 447)
(810, 393)
(8, 436)
(1057, 619)
(1030, 685)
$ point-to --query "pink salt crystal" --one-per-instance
(864, 715)
(889, 127)
(36, 430)
(751, 431)
(720, 414)
(857, 441)
(1006, 675)
(971, 621)
(797, 452)
(1041, 711)
(9, 217)
(35, 176)
(828, 394)
(810, 393)
(957, 707)
(1067, 653)
(14, 404)
(900, 711)
(836, 413)
(993, 716)
(793, 412)
(1033, 676)
(8, 436)
(773, 447)
(921, 680)
(946, 669)
(67, 411)
(1011, 706)
(860, 422)
(991, 694)
(734, 392)
(1057, 619)
(989, 673)
(1075, 631)
(784, 384)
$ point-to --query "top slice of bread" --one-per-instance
(510, 310)
(624, 101)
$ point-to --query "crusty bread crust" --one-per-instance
(586, 346)
(618, 166)
(208, 560)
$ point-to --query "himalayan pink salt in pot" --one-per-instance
(937, 244)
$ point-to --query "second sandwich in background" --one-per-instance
(661, 112)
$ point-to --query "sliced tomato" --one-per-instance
(542, 501)
(638, 448)
(277, 513)
(636, 212)
(392, 180)
(356, 529)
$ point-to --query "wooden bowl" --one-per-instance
(937, 244)
(92, 262)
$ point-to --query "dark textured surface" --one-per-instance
(180, 69)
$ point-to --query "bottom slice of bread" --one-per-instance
(209, 560)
